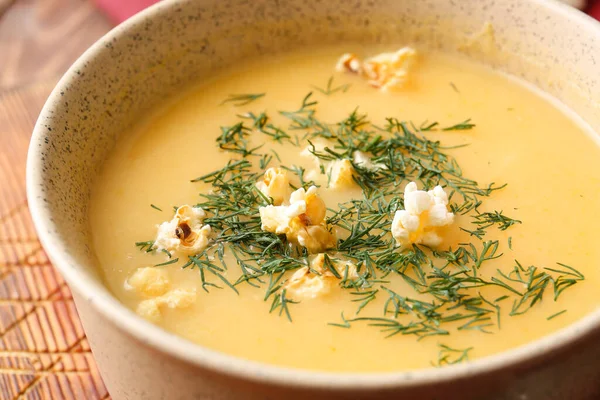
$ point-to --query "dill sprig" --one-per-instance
(462, 126)
(448, 355)
(204, 264)
(242, 99)
(262, 124)
(487, 219)
(146, 246)
(281, 303)
(392, 327)
(171, 261)
(234, 139)
(330, 89)
(556, 314)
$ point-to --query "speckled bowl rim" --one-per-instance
(108, 306)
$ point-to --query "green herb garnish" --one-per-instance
(242, 99)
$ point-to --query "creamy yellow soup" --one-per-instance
(520, 138)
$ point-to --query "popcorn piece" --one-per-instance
(149, 281)
(341, 266)
(341, 172)
(384, 71)
(151, 309)
(178, 298)
(315, 206)
(349, 62)
(306, 284)
(278, 219)
(184, 233)
(153, 283)
(424, 212)
(301, 221)
(363, 160)
(315, 238)
(275, 184)
(389, 70)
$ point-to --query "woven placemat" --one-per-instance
(44, 353)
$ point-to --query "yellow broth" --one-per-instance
(521, 138)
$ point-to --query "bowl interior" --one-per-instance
(160, 51)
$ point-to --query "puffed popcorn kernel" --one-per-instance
(424, 213)
(363, 160)
(148, 281)
(341, 174)
(151, 309)
(275, 184)
(185, 233)
(302, 220)
(306, 284)
(386, 71)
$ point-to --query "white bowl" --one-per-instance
(161, 50)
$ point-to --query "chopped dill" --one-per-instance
(204, 264)
(234, 139)
(155, 207)
(299, 172)
(447, 286)
(281, 302)
(448, 356)
(329, 89)
(556, 315)
(487, 219)
(465, 125)
(345, 323)
(262, 124)
(145, 246)
(364, 297)
(242, 99)
(172, 261)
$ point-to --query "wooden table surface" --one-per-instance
(43, 351)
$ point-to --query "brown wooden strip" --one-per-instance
(43, 350)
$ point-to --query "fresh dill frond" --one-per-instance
(345, 323)
(281, 303)
(449, 356)
(172, 261)
(556, 314)
(330, 89)
(462, 126)
(242, 99)
(145, 246)
(487, 219)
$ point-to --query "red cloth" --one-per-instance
(120, 10)
(594, 9)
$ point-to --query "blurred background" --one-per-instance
(43, 351)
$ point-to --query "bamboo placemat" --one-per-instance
(44, 353)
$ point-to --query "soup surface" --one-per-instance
(392, 307)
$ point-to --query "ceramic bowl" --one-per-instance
(160, 51)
